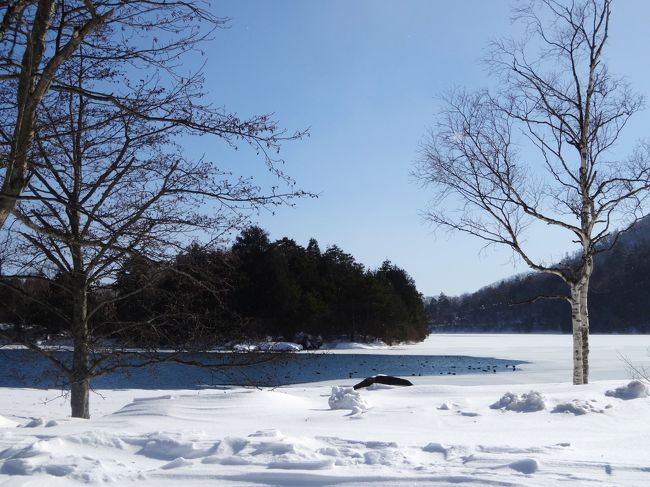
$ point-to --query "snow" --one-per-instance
(525, 466)
(633, 390)
(347, 398)
(343, 345)
(525, 403)
(578, 407)
(268, 347)
(6, 423)
(441, 431)
(280, 347)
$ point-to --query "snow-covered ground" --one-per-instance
(442, 431)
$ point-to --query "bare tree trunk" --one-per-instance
(576, 321)
(80, 383)
(79, 398)
(584, 317)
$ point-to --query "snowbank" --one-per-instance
(578, 407)
(279, 347)
(526, 403)
(434, 433)
(267, 347)
(374, 345)
(346, 398)
(634, 390)
(242, 437)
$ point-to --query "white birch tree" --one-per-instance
(559, 101)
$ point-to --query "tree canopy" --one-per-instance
(255, 289)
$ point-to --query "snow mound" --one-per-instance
(35, 423)
(177, 463)
(526, 403)
(267, 347)
(271, 449)
(52, 457)
(347, 398)
(634, 390)
(377, 344)
(437, 448)
(577, 407)
(280, 347)
(165, 447)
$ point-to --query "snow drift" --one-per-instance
(526, 403)
(343, 397)
(634, 390)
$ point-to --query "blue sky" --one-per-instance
(364, 76)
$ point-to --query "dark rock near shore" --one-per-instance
(383, 379)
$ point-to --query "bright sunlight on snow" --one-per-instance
(520, 428)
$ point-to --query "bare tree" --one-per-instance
(140, 44)
(558, 101)
(107, 183)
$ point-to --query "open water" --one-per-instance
(24, 368)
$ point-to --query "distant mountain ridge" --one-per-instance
(619, 296)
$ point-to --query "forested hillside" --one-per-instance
(619, 297)
(253, 290)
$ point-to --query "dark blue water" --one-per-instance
(23, 368)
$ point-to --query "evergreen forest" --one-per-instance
(531, 302)
(257, 289)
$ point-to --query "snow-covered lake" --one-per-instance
(442, 431)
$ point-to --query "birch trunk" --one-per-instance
(584, 317)
(576, 321)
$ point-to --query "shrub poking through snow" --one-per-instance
(347, 398)
(577, 407)
(526, 403)
(633, 390)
